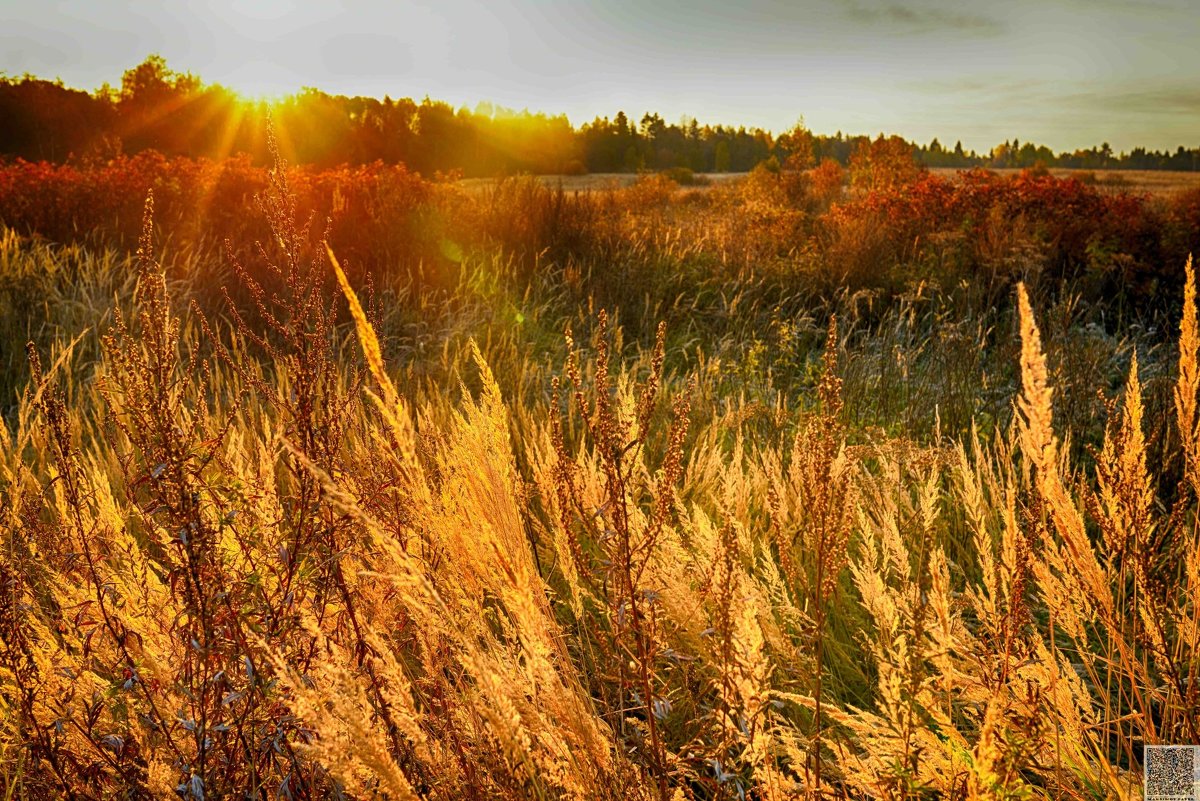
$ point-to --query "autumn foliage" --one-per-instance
(899, 224)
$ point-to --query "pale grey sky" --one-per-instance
(1066, 73)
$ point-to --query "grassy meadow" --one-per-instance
(1152, 182)
(321, 484)
(1149, 182)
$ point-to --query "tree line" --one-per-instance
(156, 108)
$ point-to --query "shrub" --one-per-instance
(575, 167)
(685, 177)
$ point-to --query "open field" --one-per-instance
(808, 485)
(1156, 182)
(600, 181)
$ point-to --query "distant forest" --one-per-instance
(175, 113)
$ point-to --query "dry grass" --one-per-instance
(1152, 182)
(246, 554)
(593, 182)
(1161, 183)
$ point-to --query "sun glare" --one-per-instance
(254, 97)
(258, 82)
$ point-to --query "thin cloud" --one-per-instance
(1167, 100)
(986, 87)
(913, 18)
(1131, 6)
(1121, 99)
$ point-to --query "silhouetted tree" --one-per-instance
(156, 108)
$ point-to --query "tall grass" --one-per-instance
(312, 539)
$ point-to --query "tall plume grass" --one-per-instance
(252, 551)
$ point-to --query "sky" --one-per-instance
(1065, 73)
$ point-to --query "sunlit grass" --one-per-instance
(630, 498)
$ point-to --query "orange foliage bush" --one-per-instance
(373, 210)
(1076, 228)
